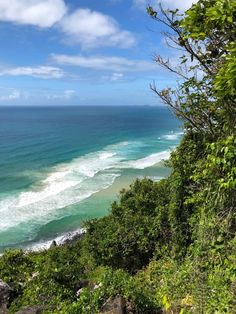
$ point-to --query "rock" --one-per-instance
(82, 284)
(35, 309)
(97, 286)
(78, 292)
(71, 239)
(54, 243)
(114, 306)
(5, 291)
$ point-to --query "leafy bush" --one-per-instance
(136, 228)
(166, 247)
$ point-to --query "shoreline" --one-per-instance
(58, 241)
(62, 237)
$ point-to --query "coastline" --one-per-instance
(58, 241)
(95, 207)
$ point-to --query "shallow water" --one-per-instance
(60, 166)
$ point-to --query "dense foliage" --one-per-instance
(168, 246)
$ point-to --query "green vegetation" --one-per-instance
(168, 246)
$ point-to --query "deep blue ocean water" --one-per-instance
(62, 165)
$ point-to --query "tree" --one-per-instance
(205, 98)
(206, 34)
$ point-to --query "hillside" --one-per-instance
(168, 246)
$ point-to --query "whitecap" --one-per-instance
(70, 183)
(65, 185)
(173, 136)
(150, 160)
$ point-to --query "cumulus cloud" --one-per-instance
(91, 29)
(41, 13)
(170, 4)
(83, 26)
(45, 72)
(115, 64)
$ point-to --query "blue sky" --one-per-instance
(77, 52)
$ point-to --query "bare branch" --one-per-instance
(166, 98)
(166, 64)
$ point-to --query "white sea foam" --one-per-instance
(153, 178)
(45, 245)
(150, 160)
(71, 183)
(66, 185)
(173, 136)
(106, 155)
(156, 178)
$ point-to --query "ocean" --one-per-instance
(60, 166)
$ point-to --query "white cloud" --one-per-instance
(42, 13)
(70, 93)
(91, 29)
(170, 4)
(11, 95)
(116, 64)
(65, 95)
(14, 95)
(83, 26)
(116, 76)
(44, 72)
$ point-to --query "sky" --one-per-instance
(77, 52)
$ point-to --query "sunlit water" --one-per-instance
(61, 166)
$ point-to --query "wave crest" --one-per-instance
(70, 183)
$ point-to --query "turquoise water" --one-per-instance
(61, 166)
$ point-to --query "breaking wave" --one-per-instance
(70, 183)
(173, 136)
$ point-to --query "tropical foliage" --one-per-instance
(168, 246)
